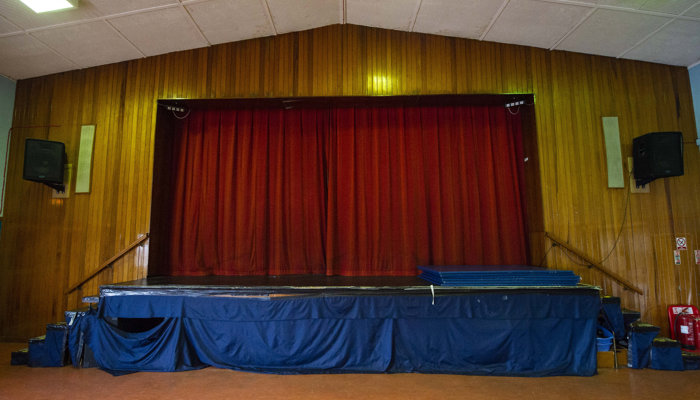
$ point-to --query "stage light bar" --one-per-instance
(41, 6)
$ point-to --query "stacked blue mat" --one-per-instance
(497, 275)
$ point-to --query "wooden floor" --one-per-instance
(21, 382)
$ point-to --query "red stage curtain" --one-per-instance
(424, 186)
(349, 191)
(249, 196)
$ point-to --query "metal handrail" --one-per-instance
(109, 263)
(578, 253)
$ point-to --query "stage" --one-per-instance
(320, 324)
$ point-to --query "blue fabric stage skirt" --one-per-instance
(493, 333)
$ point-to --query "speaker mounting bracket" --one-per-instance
(56, 187)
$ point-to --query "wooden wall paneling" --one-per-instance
(81, 202)
(115, 175)
(234, 69)
(137, 112)
(269, 72)
(335, 85)
(540, 62)
(230, 69)
(92, 211)
(323, 73)
(64, 113)
(538, 248)
(373, 63)
(144, 122)
(125, 185)
(352, 69)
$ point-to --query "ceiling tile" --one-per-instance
(611, 32)
(632, 4)
(662, 6)
(461, 18)
(299, 15)
(25, 57)
(224, 21)
(159, 32)
(7, 26)
(535, 23)
(89, 44)
(694, 12)
(25, 18)
(121, 6)
(676, 44)
(667, 6)
(389, 14)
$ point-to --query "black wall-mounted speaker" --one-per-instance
(657, 155)
(43, 161)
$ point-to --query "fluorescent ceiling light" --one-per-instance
(40, 6)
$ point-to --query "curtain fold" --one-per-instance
(346, 190)
(249, 193)
(424, 186)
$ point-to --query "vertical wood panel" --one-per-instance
(47, 246)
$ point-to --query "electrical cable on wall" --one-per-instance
(546, 253)
(617, 238)
(624, 221)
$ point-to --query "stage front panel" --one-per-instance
(517, 332)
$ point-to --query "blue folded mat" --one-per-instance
(496, 275)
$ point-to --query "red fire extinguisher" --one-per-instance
(685, 330)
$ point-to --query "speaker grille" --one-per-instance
(43, 161)
(657, 155)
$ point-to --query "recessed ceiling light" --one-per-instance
(40, 6)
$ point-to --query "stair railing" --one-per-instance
(109, 263)
(578, 253)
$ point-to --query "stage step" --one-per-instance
(691, 360)
(91, 299)
(71, 315)
(630, 316)
(20, 357)
(50, 350)
(666, 355)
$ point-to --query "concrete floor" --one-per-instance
(21, 382)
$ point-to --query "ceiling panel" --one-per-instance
(388, 14)
(25, 18)
(151, 27)
(663, 6)
(536, 23)
(223, 21)
(675, 7)
(24, 57)
(694, 12)
(610, 32)
(89, 44)
(677, 43)
(299, 15)
(461, 18)
(632, 4)
(7, 27)
(121, 6)
(161, 31)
